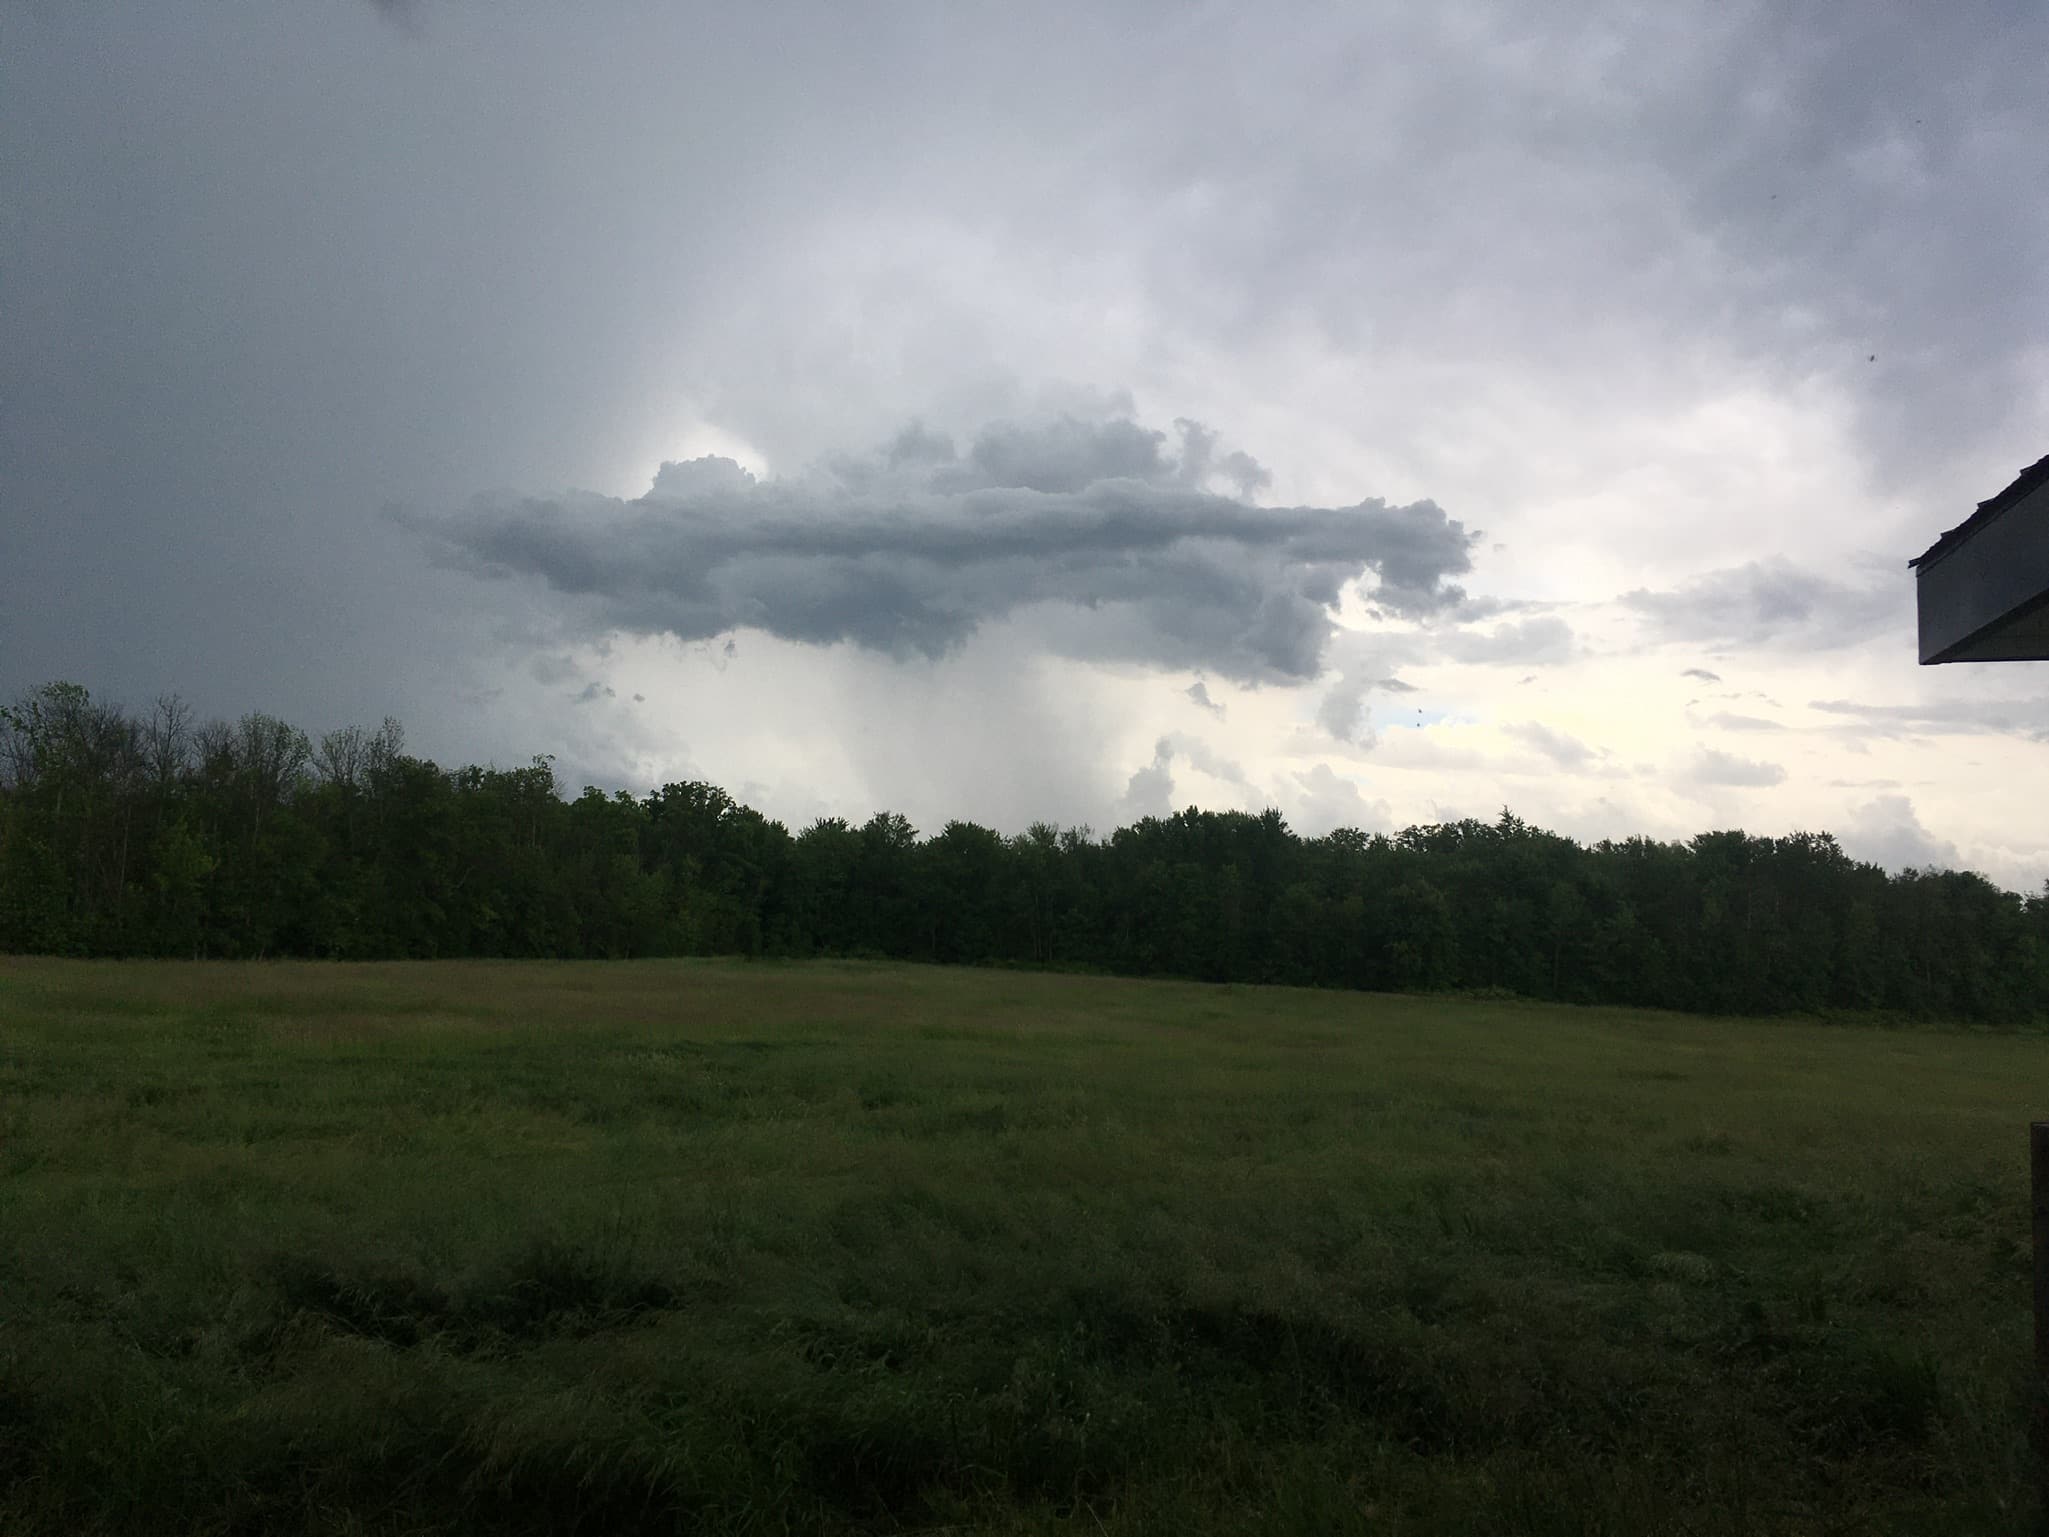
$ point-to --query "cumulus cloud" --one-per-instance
(1150, 790)
(1711, 767)
(1203, 464)
(1199, 692)
(1769, 602)
(1322, 800)
(1887, 832)
(910, 550)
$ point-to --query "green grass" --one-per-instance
(714, 1247)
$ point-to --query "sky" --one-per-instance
(1388, 413)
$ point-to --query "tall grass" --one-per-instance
(713, 1247)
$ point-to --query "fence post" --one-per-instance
(2038, 1169)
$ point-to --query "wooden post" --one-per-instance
(2038, 1163)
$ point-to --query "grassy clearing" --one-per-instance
(685, 1246)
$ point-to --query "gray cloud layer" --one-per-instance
(1770, 601)
(1946, 717)
(266, 269)
(909, 551)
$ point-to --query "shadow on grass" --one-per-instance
(548, 1288)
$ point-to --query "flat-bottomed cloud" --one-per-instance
(910, 551)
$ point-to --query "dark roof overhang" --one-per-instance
(1983, 588)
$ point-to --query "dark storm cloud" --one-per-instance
(1770, 602)
(1201, 462)
(1947, 717)
(404, 14)
(265, 269)
(1062, 456)
(912, 550)
(1843, 192)
(1856, 172)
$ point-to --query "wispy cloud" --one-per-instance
(1566, 751)
(1522, 642)
(1712, 767)
(1769, 602)
(2027, 718)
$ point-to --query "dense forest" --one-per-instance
(158, 835)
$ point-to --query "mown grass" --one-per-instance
(726, 1248)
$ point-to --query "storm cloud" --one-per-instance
(909, 551)
(1770, 315)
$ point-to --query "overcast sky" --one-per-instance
(1387, 413)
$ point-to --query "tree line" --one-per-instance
(159, 835)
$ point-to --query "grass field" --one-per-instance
(717, 1247)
